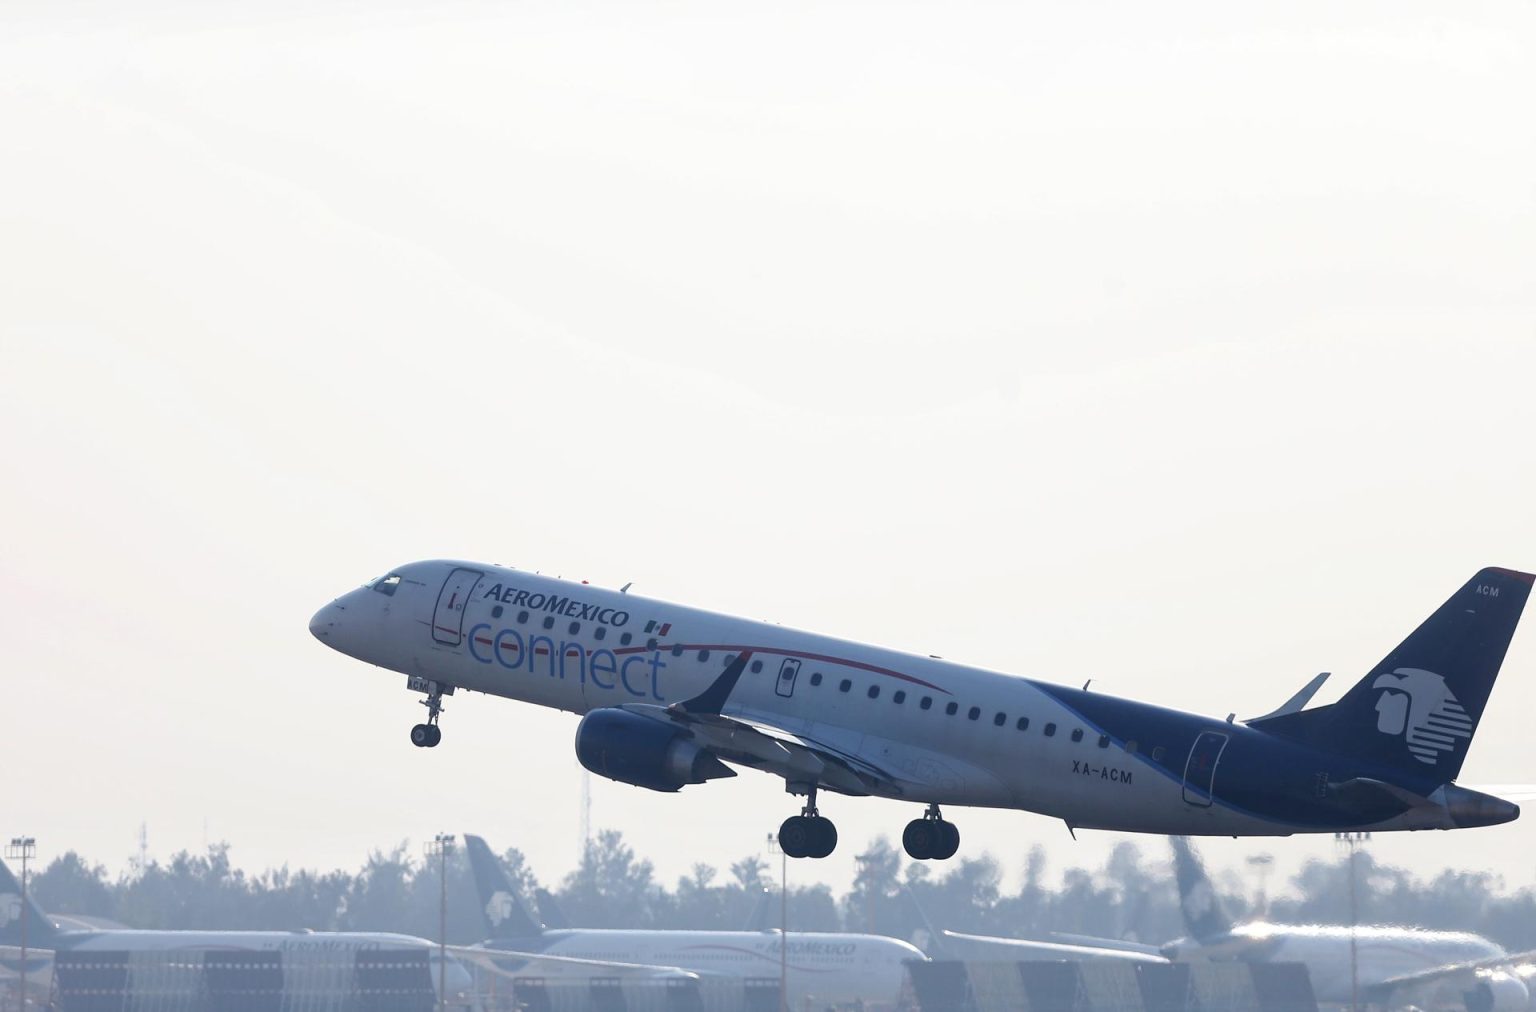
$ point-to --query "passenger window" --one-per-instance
(952, 709)
(899, 698)
(1023, 724)
(973, 713)
(1000, 719)
(496, 612)
(703, 655)
(844, 685)
(1050, 730)
(1130, 746)
(730, 659)
(522, 616)
(650, 644)
(1157, 753)
(926, 703)
(1077, 734)
(757, 666)
(575, 628)
(624, 639)
(677, 650)
(549, 621)
(816, 678)
(600, 632)
(1103, 741)
(874, 692)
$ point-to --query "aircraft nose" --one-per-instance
(324, 622)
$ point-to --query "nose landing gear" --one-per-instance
(429, 734)
(808, 834)
(930, 838)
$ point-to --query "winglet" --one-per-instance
(712, 699)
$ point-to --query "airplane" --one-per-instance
(669, 695)
(44, 935)
(829, 968)
(1392, 963)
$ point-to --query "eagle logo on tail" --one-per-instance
(1419, 705)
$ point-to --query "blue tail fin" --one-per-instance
(1418, 709)
(1204, 915)
(41, 931)
(505, 915)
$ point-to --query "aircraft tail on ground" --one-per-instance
(504, 912)
(1204, 916)
(1417, 709)
(41, 930)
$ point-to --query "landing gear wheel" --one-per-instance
(796, 836)
(930, 838)
(429, 734)
(920, 839)
(951, 842)
(808, 834)
(824, 835)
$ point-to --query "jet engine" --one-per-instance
(647, 753)
(1497, 991)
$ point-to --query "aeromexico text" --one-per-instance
(556, 605)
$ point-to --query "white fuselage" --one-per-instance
(821, 968)
(937, 731)
(1380, 953)
(293, 944)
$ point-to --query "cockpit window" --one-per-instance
(386, 585)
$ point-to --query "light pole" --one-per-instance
(22, 848)
(773, 847)
(440, 846)
(1262, 863)
(1353, 842)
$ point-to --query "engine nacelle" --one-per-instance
(1498, 991)
(647, 753)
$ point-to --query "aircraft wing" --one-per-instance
(758, 743)
(565, 966)
(1380, 990)
(761, 745)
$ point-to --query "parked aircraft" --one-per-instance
(824, 967)
(672, 694)
(44, 935)
(1376, 965)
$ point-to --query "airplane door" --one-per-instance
(788, 672)
(448, 618)
(1200, 771)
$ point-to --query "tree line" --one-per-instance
(1132, 896)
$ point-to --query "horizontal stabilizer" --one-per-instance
(1298, 701)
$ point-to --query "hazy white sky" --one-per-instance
(1186, 347)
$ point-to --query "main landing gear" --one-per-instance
(931, 838)
(429, 734)
(808, 834)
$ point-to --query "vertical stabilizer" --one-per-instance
(41, 931)
(504, 912)
(1204, 916)
(1417, 710)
